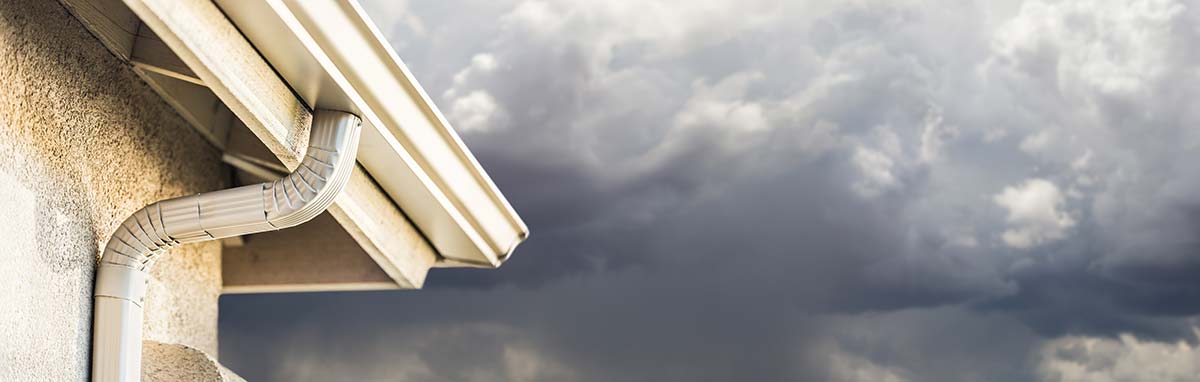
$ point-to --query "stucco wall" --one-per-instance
(84, 143)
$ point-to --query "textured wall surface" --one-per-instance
(84, 143)
(175, 363)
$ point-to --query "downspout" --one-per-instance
(122, 274)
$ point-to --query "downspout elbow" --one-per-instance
(121, 276)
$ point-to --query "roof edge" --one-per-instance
(408, 145)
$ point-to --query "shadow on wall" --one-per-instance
(46, 276)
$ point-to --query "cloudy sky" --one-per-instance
(826, 190)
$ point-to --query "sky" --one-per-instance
(747, 190)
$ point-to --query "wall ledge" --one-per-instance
(162, 362)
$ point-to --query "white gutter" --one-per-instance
(122, 274)
(333, 56)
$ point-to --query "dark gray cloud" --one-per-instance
(826, 190)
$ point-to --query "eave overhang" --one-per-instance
(417, 199)
(334, 57)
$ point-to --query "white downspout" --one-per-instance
(121, 276)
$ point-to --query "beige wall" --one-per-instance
(84, 143)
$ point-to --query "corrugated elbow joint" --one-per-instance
(294, 199)
(121, 276)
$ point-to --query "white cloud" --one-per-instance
(1123, 359)
(527, 364)
(536, 16)
(724, 105)
(880, 160)
(848, 367)
(671, 26)
(468, 352)
(476, 111)
(1036, 142)
(1035, 213)
(935, 134)
(718, 120)
(480, 63)
(876, 170)
(484, 62)
(1113, 47)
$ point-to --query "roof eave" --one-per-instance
(333, 56)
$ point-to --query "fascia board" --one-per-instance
(333, 56)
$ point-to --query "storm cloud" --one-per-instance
(778, 191)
